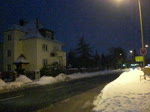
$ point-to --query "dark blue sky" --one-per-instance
(103, 23)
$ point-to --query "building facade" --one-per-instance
(36, 43)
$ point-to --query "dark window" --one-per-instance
(9, 37)
(52, 54)
(44, 47)
(45, 62)
(9, 53)
(9, 67)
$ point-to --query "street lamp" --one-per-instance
(142, 31)
(141, 28)
(146, 46)
(131, 51)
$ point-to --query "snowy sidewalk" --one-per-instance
(125, 94)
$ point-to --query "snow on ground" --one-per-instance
(22, 80)
(62, 77)
(13, 85)
(45, 80)
(128, 93)
(2, 84)
(83, 75)
(19, 82)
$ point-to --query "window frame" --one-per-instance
(9, 37)
(44, 47)
(9, 67)
(45, 62)
(9, 53)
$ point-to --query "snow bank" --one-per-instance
(92, 74)
(2, 84)
(46, 80)
(23, 78)
(10, 85)
(13, 85)
(125, 94)
(62, 77)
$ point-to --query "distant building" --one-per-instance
(37, 44)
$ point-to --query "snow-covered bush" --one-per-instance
(52, 70)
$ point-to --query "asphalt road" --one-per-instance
(35, 98)
(82, 102)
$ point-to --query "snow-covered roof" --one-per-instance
(32, 30)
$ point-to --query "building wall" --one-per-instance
(46, 54)
(8, 45)
(30, 52)
(14, 45)
(32, 49)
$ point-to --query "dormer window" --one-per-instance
(48, 35)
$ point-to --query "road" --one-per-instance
(82, 102)
(39, 97)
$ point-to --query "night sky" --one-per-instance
(103, 23)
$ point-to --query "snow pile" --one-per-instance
(13, 85)
(62, 77)
(2, 84)
(46, 80)
(23, 78)
(128, 93)
(10, 85)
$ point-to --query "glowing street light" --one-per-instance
(118, 0)
(142, 31)
(141, 27)
(146, 46)
(131, 51)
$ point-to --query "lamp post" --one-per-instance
(142, 31)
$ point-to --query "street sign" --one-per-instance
(143, 51)
(139, 58)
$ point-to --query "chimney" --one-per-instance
(21, 22)
(37, 23)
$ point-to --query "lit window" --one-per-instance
(44, 47)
